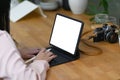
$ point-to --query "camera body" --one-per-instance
(106, 33)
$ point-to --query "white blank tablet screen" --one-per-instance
(65, 33)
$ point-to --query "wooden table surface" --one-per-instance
(100, 60)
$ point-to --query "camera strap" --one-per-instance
(85, 41)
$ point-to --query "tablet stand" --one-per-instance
(23, 9)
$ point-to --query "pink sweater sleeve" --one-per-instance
(12, 66)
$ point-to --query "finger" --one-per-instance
(42, 50)
(47, 50)
(34, 51)
(30, 56)
(52, 57)
(49, 53)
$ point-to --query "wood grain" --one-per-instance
(34, 31)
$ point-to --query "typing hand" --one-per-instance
(45, 55)
(28, 53)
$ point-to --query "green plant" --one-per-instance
(101, 7)
(105, 5)
(23, 0)
(20, 0)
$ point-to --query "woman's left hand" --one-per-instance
(28, 53)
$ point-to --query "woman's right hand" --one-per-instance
(45, 55)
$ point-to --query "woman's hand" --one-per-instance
(28, 53)
(45, 55)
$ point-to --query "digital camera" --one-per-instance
(106, 33)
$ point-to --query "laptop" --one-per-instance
(64, 39)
